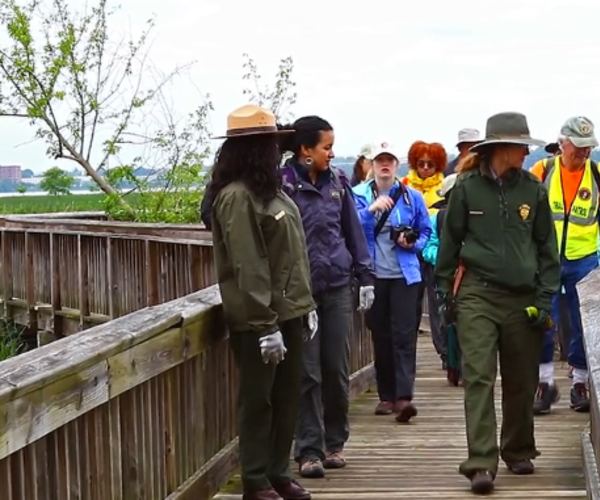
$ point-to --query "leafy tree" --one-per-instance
(89, 96)
(279, 97)
(57, 182)
(21, 189)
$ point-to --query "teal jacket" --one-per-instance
(433, 243)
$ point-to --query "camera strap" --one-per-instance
(384, 216)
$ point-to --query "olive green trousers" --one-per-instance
(268, 405)
(492, 324)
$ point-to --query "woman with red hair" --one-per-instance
(427, 162)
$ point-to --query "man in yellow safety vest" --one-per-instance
(573, 182)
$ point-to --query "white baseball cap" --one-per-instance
(384, 148)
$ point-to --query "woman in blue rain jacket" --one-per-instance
(390, 209)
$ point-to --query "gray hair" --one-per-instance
(562, 139)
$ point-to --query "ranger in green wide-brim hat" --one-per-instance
(507, 128)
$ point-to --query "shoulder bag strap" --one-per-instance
(384, 216)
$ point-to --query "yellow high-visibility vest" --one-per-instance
(582, 226)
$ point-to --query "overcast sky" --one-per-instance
(379, 70)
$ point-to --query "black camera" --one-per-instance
(410, 235)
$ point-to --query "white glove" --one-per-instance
(313, 325)
(272, 348)
(366, 297)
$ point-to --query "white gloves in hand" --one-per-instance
(313, 325)
(366, 297)
(272, 348)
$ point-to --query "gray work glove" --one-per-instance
(312, 325)
(366, 297)
(272, 348)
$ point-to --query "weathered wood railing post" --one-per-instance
(55, 297)
(7, 272)
(589, 295)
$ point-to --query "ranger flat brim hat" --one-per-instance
(251, 120)
(507, 128)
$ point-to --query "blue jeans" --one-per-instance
(571, 273)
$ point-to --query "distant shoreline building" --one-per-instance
(10, 172)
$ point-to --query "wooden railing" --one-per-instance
(142, 407)
(589, 296)
(64, 275)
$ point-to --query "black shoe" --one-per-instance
(545, 397)
(482, 482)
(521, 467)
(580, 401)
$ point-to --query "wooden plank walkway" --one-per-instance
(420, 461)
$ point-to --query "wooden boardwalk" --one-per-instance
(420, 461)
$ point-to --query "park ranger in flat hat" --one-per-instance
(499, 235)
(263, 273)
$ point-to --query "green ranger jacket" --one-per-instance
(261, 260)
(502, 233)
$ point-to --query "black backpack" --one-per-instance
(439, 221)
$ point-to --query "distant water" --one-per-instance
(42, 193)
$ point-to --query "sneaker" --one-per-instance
(404, 410)
(334, 460)
(312, 468)
(384, 408)
(545, 397)
(580, 401)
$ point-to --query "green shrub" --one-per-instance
(11, 339)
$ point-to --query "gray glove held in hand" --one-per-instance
(272, 348)
(366, 297)
(312, 323)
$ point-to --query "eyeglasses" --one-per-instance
(426, 164)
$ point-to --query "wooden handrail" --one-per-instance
(145, 403)
(589, 297)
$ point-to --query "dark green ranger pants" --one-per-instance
(491, 322)
(267, 407)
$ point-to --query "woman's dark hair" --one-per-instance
(307, 133)
(357, 171)
(253, 160)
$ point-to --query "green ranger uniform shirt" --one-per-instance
(261, 260)
(502, 231)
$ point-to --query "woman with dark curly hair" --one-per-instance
(427, 163)
(264, 277)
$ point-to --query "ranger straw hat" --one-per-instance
(251, 120)
(507, 128)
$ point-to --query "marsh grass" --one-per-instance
(11, 339)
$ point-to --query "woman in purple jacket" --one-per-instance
(338, 254)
